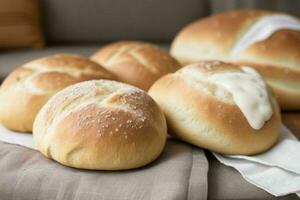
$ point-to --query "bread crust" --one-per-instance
(200, 118)
(28, 87)
(103, 125)
(214, 37)
(134, 62)
(284, 83)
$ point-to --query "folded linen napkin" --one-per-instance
(276, 171)
(179, 173)
(23, 139)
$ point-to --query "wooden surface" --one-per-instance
(292, 121)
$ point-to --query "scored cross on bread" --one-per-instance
(219, 106)
(137, 63)
(101, 125)
(28, 87)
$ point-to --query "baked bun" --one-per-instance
(103, 125)
(28, 87)
(220, 107)
(266, 41)
(137, 63)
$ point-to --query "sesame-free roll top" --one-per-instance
(219, 106)
(135, 62)
(104, 125)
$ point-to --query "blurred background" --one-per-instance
(33, 28)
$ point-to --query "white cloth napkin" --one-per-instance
(24, 139)
(276, 171)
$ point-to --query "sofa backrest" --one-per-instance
(107, 20)
(73, 21)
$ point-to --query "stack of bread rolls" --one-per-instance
(226, 107)
(96, 124)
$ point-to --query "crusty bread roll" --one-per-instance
(28, 87)
(220, 107)
(103, 125)
(267, 41)
(137, 63)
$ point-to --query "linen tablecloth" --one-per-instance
(179, 173)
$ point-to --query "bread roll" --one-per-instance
(220, 107)
(266, 41)
(137, 63)
(28, 87)
(103, 125)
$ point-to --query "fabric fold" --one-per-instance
(275, 171)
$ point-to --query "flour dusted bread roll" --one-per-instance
(220, 107)
(101, 124)
(137, 63)
(28, 88)
(266, 41)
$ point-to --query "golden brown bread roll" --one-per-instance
(28, 87)
(137, 63)
(220, 107)
(267, 41)
(101, 124)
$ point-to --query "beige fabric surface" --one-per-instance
(179, 173)
(19, 24)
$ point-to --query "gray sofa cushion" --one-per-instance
(107, 20)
